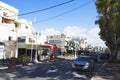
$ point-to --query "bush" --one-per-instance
(20, 60)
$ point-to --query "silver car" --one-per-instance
(83, 63)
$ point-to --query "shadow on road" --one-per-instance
(59, 69)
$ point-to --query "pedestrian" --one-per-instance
(55, 51)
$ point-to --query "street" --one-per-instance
(60, 69)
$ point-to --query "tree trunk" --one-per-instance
(118, 55)
(113, 55)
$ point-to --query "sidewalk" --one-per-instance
(6, 66)
(3, 66)
(109, 71)
(67, 57)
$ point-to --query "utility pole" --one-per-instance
(31, 49)
(36, 52)
(16, 53)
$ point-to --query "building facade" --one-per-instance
(58, 40)
(17, 33)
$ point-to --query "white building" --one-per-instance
(8, 15)
(16, 33)
(10, 26)
(58, 40)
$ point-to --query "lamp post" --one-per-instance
(75, 49)
(16, 53)
(36, 55)
(75, 53)
(31, 49)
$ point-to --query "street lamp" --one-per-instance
(16, 54)
(31, 49)
(36, 55)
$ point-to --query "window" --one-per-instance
(9, 38)
(26, 27)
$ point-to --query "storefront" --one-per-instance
(2, 50)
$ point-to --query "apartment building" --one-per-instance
(17, 33)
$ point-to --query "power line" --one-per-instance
(46, 8)
(64, 13)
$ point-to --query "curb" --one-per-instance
(10, 66)
(67, 57)
(2, 68)
(15, 66)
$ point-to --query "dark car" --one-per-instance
(104, 56)
(94, 55)
(83, 63)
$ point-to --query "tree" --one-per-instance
(70, 43)
(109, 24)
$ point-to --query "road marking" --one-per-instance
(30, 68)
(51, 71)
(11, 75)
(68, 72)
(78, 75)
(1, 68)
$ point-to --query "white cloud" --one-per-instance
(50, 31)
(93, 37)
(82, 32)
(75, 31)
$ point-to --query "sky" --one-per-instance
(79, 21)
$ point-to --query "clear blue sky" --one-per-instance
(84, 16)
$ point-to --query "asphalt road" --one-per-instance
(59, 69)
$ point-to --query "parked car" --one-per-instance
(83, 63)
(85, 53)
(104, 56)
(94, 55)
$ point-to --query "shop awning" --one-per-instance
(32, 46)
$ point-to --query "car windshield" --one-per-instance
(82, 59)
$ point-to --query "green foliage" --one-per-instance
(109, 22)
(71, 43)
